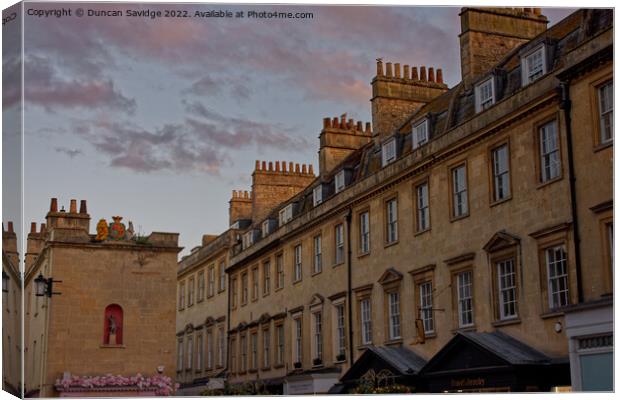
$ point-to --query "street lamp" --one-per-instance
(43, 287)
(5, 282)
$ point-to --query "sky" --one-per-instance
(158, 120)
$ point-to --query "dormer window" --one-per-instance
(420, 134)
(247, 239)
(286, 214)
(485, 95)
(388, 152)
(317, 195)
(339, 181)
(265, 228)
(533, 65)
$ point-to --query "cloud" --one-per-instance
(72, 153)
(210, 86)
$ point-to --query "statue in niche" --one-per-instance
(112, 330)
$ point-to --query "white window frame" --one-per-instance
(221, 346)
(243, 343)
(340, 325)
(233, 354)
(254, 351)
(460, 206)
(255, 282)
(419, 134)
(180, 353)
(529, 76)
(201, 285)
(297, 339)
(339, 183)
(394, 323)
(211, 281)
(605, 94)
(392, 220)
(209, 349)
(266, 347)
(422, 207)
(317, 195)
(297, 268)
(280, 271)
(465, 298)
(286, 214)
(388, 152)
(200, 351)
(265, 228)
(190, 291)
(486, 87)
(549, 147)
(426, 306)
(280, 344)
(318, 335)
(266, 277)
(222, 276)
(190, 353)
(501, 172)
(318, 256)
(557, 277)
(245, 295)
(365, 232)
(507, 289)
(366, 321)
(339, 244)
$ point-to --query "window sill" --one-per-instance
(200, 301)
(386, 245)
(265, 294)
(470, 328)
(112, 346)
(500, 201)
(253, 370)
(418, 233)
(364, 346)
(316, 273)
(338, 264)
(363, 254)
(602, 146)
(317, 366)
(393, 342)
(297, 281)
(549, 182)
(278, 366)
(552, 314)
(505, 322)
(265, 368)
(460, 217)
(340, 361)
(278, 289)
(429, 335)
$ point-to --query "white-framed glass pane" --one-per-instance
(318, 261)
(507, 289)
(388, 152)
(423, 211)
(318, 338)
(392, 221)
(339, 181)
(534, 65)
(364, 232)
(557, 277)
(317, 195)
(465, 304)
(366, 321)
(426, 306)
(394, 315)
(339, 257)
(266, 348)
(501, 175)
(459, 191)
(485, 95)
(420, 134)
(606, 111)
(340, 329)
(298, 263)
(549, 151)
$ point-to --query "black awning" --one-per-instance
(395, 364)
(492, 361)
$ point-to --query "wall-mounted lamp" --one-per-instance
(43, 287)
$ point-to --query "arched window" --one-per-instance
(113, 325)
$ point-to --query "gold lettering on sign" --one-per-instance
(467, 382)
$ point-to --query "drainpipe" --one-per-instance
(349, 289)
(565, 106)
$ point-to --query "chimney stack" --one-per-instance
(83, 207)
(54, 205)
(73, 206)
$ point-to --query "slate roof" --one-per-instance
(507, 348)
(401, 358)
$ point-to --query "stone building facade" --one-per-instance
(11, 313)
(459, 241)
(110, 307)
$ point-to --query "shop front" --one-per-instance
(492, 362)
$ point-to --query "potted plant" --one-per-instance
(297, 365)
(340, 357)
(317, 361)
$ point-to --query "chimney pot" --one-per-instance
(257, 167)
(10, 227)
(422, 73)
(277, 166)
(43, 228)
(54, 205)
(397, 70)
(270, 166)
(303, 169)
(33, 227)
(388, 69)
(335, 123)
(326, 123)
(379, 67)
(83, 207)
(73, 206)
(296, 167)
(439, 75)
(283, 166)
(431, 74)
(359, 126)
(414, 73)
(290, 166)
(264, 165)
(367, 127)
(310, 169)
(406, 72)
